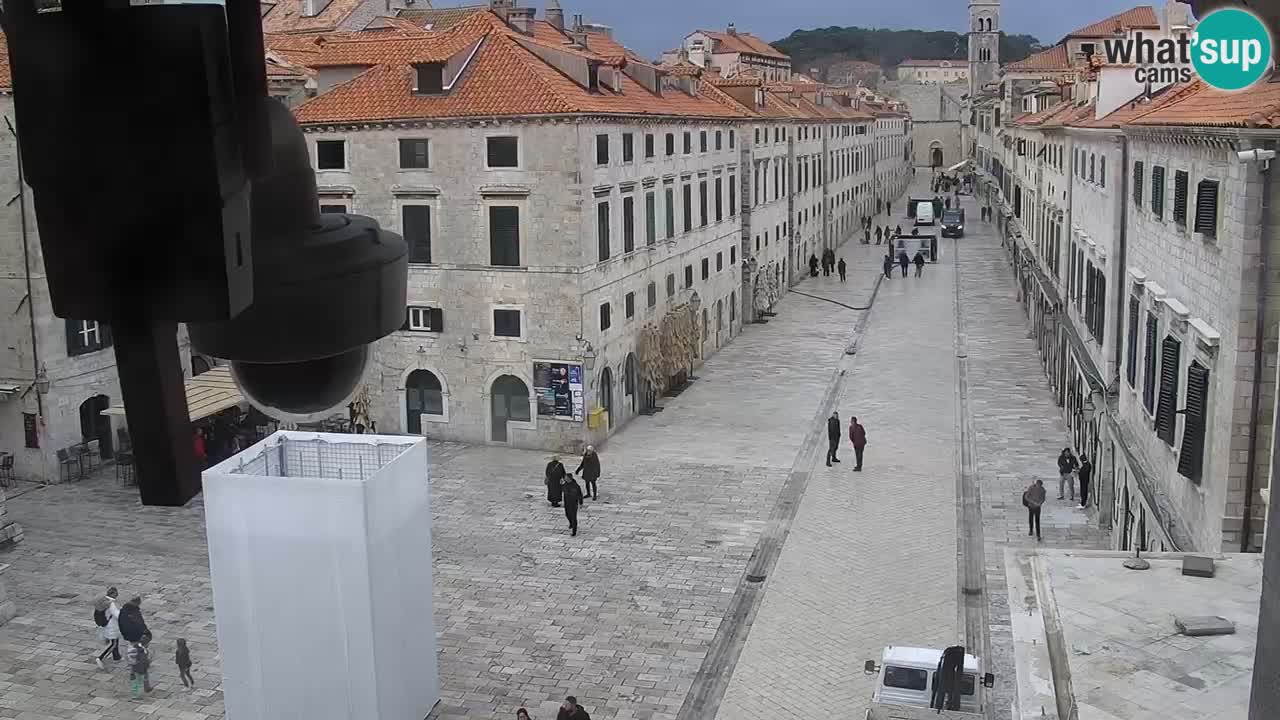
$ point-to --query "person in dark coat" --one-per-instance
(589, 469)
(843, 269)
(555, 473)
(919, 261)
(572, 501)
(813, 265)
(888, 265)
(857, 438)
(879, 234)
(888, 208)
(833, 438)
(571, 710)
(1067, 467)
(133, 628)
(1085, 474)
(898, 230)
(903, 262)
(866, 236)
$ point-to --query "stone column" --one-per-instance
(10, 533)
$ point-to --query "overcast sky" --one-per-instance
(651, 26)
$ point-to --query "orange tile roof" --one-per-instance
(283, 16)
(741, 42)
(280, 69)
(1133, 109)
(6, 75)
(1041, 117)
(439, 18)
(1203, 106)
(1053, 59)
(1142, 17)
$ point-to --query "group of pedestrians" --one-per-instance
(115, 623)
(828, 264)
(903, 262)
(563, 488)
(1070, 470)
(857, 438)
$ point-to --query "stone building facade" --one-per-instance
(936, 120)
(559, 216)
(932, 72)
(732, 53)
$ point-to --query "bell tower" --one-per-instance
(984, 43)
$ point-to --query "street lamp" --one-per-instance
(42, 381)
(1094, 404)
(589, 357)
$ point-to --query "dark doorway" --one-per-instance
(606, 394)
(936, 157)
(510, 403)
(199, 365)
(96, 426)
(631, 380)
(422, 396)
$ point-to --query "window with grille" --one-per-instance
(1131, 340)
(506, 323)
(628, 223)
(671, 144)
(671, 284)
(503, 151)
(1157, 192)
(706, 268)
(1137, 183)
(424, 319)
(331, 154)
(504, 235)
(1180, 197)
(648, 145)
(1167, 407)
(702, 203)
(602, 231)
(86, 336)
(669, 196)
(414, 154)
(720, 261)
(1195, 420)
(1150, 359)
(1207, 208)
(702, 141)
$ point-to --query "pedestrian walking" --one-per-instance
(898, 230)
(903, 262)
(919, 261)
(554, 474)
(589, 469)
(139, 669)
(522, 714)
(571, 710)
(833, 438)
(842, 268)
(888, 265)
(813, 266)
(183, 660)
(857, 438)
(1067, 466)
(133, 628)
(572, 501)
(888, 209)
(1033, 499)
(879, 234)
(1085, 474)
(866, 236)
(947, 203)
(106, 616)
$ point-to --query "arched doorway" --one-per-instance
(935, 157)
(606, 394)
(423, 395)
(96, 426)
(199, 365)
(719, 320)
(631, 381)
(509, 403)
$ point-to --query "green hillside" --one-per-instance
(824, 47)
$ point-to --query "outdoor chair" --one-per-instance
(6, 471)
(69, 467)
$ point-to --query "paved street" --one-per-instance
(625, 615)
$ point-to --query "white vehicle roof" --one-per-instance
(923, 658)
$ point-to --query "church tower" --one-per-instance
(984, 43)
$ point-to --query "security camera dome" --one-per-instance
(302, 391)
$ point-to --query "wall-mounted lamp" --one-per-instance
(1094, 405)
(589, 357)
(42, 381)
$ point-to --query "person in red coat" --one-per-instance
(202, 455)
(857, 436)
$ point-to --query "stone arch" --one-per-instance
(523, 416)
(403, 384)
(424, 395)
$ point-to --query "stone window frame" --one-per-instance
(346, 153)
(1201, 345)
(441, 419)
(524, 323)
(432, 201)
(506, 132)
(518, 201)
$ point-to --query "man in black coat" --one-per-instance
(589, 469)
(555, 473)
(571, 710)
(833, 438)
(572, 501)
(133, 628)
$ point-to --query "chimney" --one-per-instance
(579, 33)
(501, 8)
(521, 18)
(555, 15)
(312, 8)
(732, 30)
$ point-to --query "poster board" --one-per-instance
(559, 389)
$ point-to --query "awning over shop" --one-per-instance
(207, 394)
(957, 166)
(8, 390)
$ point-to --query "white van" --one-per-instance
(906, 680)
(924, 214)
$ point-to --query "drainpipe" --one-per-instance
(26, 266)
(1260, 324)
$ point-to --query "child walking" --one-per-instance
(183, 659)
(139, 669)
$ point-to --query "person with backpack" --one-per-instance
(132, 627)
(106, 616)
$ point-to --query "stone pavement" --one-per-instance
(620, 616)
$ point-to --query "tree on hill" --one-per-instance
(824, 47)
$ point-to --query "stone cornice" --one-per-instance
(1224, 138)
